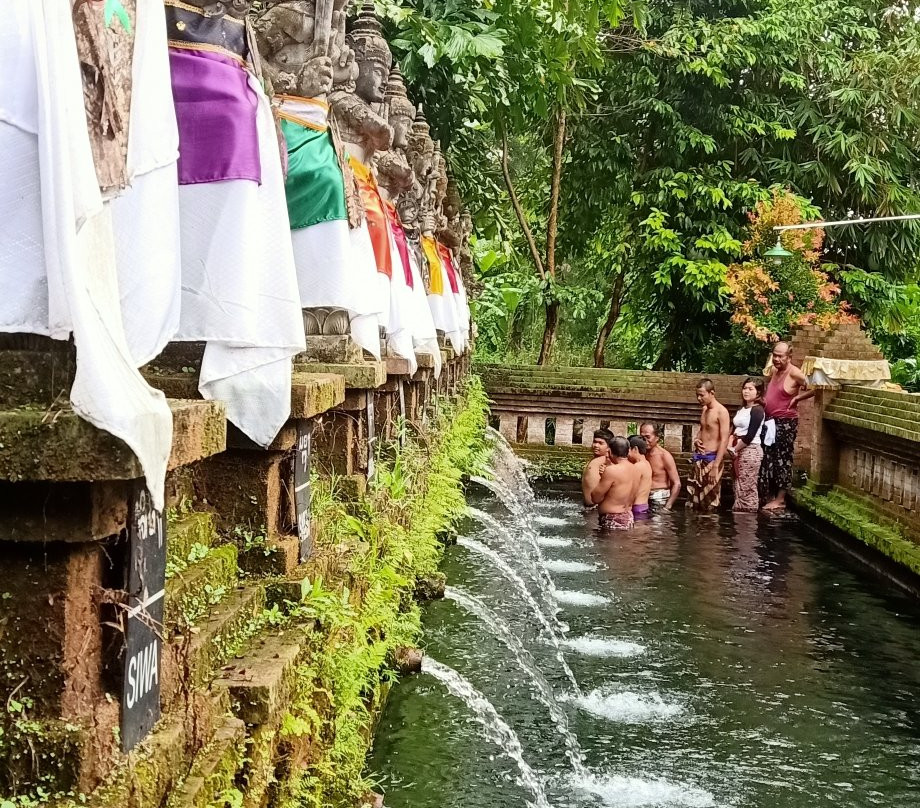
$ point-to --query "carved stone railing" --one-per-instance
(563, 406)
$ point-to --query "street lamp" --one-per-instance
(779, 253)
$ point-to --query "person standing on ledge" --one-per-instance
(665, 478)
(786, 389)
(595, 468)
(704, 485)
(638, 449)
(616, 491)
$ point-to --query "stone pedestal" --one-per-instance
(64, 497)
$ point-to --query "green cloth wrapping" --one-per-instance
(315, 188)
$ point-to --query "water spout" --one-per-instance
(496, 728)
(539, 683)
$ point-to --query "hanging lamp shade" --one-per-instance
(778, 253)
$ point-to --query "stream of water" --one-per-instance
(695, 661)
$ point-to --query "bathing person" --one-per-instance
(592, 473)
(786, 389)
(704, 485)
(637, 452)
(748, 437)
(616, 491)
(665, 479)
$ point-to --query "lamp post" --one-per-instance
(778, 253)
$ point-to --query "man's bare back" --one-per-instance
(617, 487)
(643, 482)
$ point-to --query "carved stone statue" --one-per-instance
(394, 174)
(420, 153)
(362, 128)
(300, 45)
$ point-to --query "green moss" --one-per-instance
(859, 519)
(392, 537)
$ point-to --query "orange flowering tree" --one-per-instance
(769, 299)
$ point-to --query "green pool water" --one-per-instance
(744, 663)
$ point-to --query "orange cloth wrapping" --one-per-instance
(436, 280)
(376, 217)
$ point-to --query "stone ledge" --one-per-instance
(214, 768)
(397, 366)
(261, 681)
(315, 393)
(425, 361)
(364, 376)
(38, 444)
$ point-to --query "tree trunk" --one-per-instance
(552, 228)
(516, 330)
(549, 333)
(552, 222)
(518, 210)
(613, 314)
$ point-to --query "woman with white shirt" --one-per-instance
(746, 445)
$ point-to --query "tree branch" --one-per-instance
(552, 225)
(518, 210)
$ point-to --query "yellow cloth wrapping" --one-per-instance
(436, 275)
(818, 369)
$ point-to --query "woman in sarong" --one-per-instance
(747, 446)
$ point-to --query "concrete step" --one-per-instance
(184, 531)
(261, 681)
(191, 658)
(214, 768)
(859, 417)
(202, 585)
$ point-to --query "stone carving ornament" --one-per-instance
(300, 44)
(394, 173)
(363, 130)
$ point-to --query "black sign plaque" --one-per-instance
(302, 493)
(140, 700)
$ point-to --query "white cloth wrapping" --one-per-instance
(332, 261)
(424, 334)
(365, 330)
(444, 312)
(463, 308)
(402, 312)
(57, 255)
(145, 216)
(239, 289)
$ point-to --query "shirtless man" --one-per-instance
(592, 473)
(704, 485)
(786, 389)
(616, 491)
(637, 452)
(665, 479)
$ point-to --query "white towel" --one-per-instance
(59, 246)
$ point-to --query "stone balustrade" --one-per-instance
(564, 406)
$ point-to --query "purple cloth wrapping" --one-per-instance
(216, 112)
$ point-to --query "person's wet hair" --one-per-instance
(602, 434)
(707, 385)
(619, 446)
(638, 442)
(654, 428)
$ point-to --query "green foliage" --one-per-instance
(390, 538)
(682, 117)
